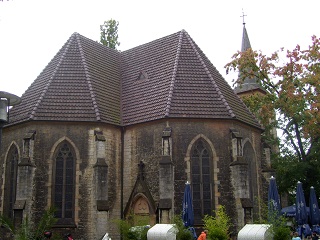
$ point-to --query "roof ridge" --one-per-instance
(33, 112)
(93, 97)
(175, 67)
(211, 78)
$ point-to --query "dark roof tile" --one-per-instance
(75, 85)
(87, 81)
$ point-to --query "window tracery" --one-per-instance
(64, 177)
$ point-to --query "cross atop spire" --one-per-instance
(243, 17)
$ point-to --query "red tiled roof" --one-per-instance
(87, 81)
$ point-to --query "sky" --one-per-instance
(33, 31)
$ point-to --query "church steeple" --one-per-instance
(249, 85)
(245, 45)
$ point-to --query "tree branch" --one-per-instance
(292, 142)
(297, 131)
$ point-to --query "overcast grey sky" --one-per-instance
(32, 31)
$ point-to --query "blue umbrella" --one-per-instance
(290, 211)
(314, 208)
(274, 207)
(301, 208)
(187, 209)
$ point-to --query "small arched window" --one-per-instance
(202, 193)
(64, 184)
(11, 181)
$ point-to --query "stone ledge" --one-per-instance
(165, 160)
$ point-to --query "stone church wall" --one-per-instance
(144, 143)
(157, 152)
(91, 223)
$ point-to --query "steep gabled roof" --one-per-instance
(182, 83)
(146, 100)
(167, 78)
(81, 83)
(197, 86)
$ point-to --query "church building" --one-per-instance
(103, 135)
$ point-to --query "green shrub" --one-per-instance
(218, 226)
(28, 230)
(281, 233)
(130, 232)
(279, 227)
(182, 232)
(138, 232)
(124, 228)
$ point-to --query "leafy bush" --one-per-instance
(218, 226)
(28, 230)
(124, 228)
(281, 233)
(130, 232)
(279, 227)
(182, 232)
(138, 232)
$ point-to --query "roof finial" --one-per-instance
(243, 17)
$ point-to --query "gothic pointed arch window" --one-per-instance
(201, 179)
(64, 184)
(11, 181)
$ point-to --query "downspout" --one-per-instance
(121, 172)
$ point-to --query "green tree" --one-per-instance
(292, 100)
(109, 34)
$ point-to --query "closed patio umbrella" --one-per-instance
(301, 208)
(301, 212)
(314, 214)
(274, 207)
(187, 208)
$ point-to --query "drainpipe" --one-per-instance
(121, 171)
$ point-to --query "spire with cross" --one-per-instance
(243, 15)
